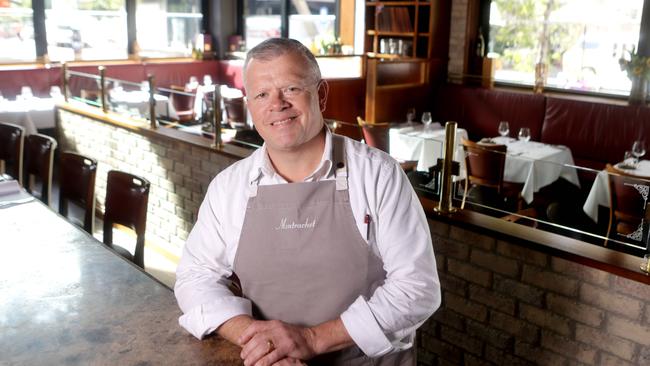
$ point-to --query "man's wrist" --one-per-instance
(328, 337)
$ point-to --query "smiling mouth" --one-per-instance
(284, 121)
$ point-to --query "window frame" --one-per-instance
(482, 21)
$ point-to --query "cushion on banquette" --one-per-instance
(479, 110)
(597, 133)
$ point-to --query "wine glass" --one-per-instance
(410, 115)
(524, 134)
(426, 119)
(504, 128)
(638, 149)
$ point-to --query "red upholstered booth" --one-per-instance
(597, 133)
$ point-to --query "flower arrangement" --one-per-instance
(636, 66)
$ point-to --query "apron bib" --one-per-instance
(302, 260)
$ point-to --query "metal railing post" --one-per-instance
(152, 101)
(64, 81)
(216, 117)
(444, 205)
(102, 88)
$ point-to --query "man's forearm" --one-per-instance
(234, 327)
(330, 336)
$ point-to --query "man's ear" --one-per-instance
(323, 91)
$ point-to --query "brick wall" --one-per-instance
(505, 304)
(179, 173)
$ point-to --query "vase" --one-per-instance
(638, 91)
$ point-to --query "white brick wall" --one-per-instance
(179, 173)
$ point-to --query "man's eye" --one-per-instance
(261, 95)
(293, 90)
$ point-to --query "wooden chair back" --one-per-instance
(183, 103)
(127, 196)
(12, 138)
(485, 164)
(77, 184)
(627, 204)
(375, 134)
(39, 161)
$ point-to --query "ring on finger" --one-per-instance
(270, 345)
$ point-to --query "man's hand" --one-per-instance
(265, 343)
(289, 362)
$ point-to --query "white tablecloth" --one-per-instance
(33, 114)
(536, 165)
(599, 193)
(423, 145)
(139, 100)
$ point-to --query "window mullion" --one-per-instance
(40, 36)
(284, 26)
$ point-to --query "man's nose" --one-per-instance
(278, 101)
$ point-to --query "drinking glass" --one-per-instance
(410, 115)
(504, 128)
(524, 134)
(638, 149)
(26, 92)
(426, 119)
(629, 159)
(207, 80)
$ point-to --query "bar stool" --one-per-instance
(77, 185)
(39, 159)
(127, 196)
(12, 138)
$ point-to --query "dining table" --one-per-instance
(66, 299)
(536, 164)
(599, 192)
(32, 113)
(137, 103)
(424, 144)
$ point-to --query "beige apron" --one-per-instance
(302, 260)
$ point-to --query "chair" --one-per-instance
(39, 160)
(183, 102)
(485, 166)
(627, 203)
(376, 135)
(235, 110)
(12, 138)
(127, 196)
(351, 130)
(77, 184)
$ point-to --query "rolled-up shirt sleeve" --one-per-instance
(411, 292)
(201, 287)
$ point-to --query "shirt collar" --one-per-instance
(262, 166)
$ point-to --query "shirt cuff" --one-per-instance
(206, 318)
(364, 329)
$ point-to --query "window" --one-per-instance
(86, 30)
(16, 31)
(167, 28)
(580, 42)
(311, 22)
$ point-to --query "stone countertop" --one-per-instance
(68, 300)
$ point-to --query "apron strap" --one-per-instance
(339, 160)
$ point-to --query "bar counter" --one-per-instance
(69, 300)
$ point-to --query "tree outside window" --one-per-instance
(580, 42)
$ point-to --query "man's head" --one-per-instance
(285, 93)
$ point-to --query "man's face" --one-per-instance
(284, 101)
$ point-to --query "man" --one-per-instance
(326, 235)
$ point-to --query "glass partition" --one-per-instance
(539, 185)
(17, 32)
(190, 109)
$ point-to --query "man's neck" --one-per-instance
(296, 165)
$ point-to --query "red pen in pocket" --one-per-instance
(366, 220)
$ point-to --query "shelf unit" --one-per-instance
(406, 21)
(398, 48)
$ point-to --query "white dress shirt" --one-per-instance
(399, 234)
